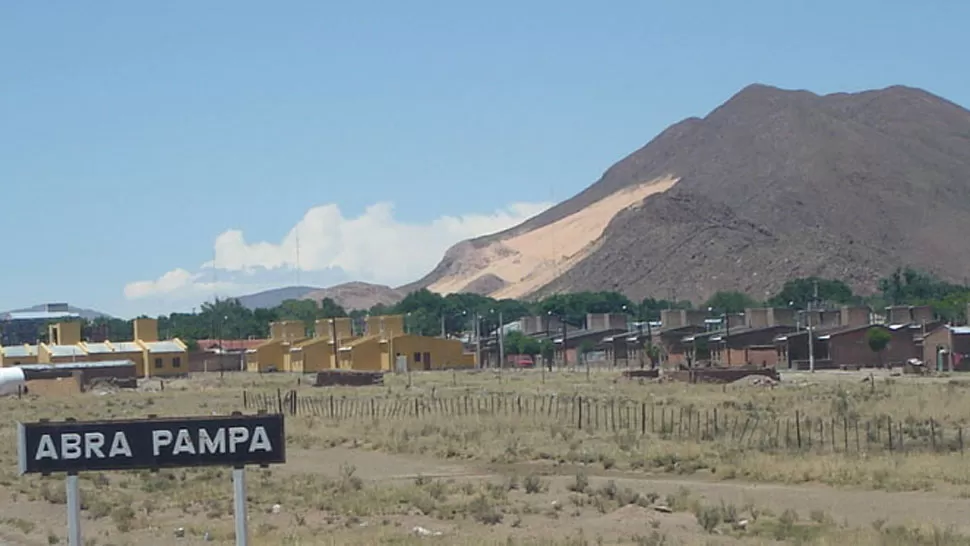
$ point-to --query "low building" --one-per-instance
(18, 355)
(839, 347)
(311, 356)
(424, 353)
(60, 354)
(130, 350)
(947, 348)
(165, 358)
(677, 344)
(747, 346)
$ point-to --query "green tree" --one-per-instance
(513, 342)
(878, 339)
(798, 292)
(650, 308)
(530, 346)
(907, 286)
(653, 353)
(548, 350)
(730, 302)
(585, 348)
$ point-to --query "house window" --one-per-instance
(417, 357)
(158, 362)
(177, 362)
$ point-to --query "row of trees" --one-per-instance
(427, 313)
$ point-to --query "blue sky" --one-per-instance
(139, 140)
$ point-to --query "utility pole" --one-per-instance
(501, 343)
(811, 340)
(727, 337)
(565, 355)
(478, 340)
(444, 333)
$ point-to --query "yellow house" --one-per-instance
(17, 355)
(60, 354)
(64, 333)
(425, 353)
(129, 350)
(288, 330)
(385, 325)
(270, 355)
(312, 355)
(165, 358)
(374, 353)
(98, 352)
(361, 354)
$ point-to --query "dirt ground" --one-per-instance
(506, 480)
(852, 508)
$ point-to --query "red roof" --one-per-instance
(229, 344)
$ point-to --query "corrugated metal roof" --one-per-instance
(98, 348)
(65, 350)
(127, 347)
(78, 365)
(163, 347)
(40, 315)
(20, 351)
(960, 330)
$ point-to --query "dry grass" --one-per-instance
(524, 501)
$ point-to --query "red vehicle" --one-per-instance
(521, 361)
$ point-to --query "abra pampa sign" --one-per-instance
(73, 446)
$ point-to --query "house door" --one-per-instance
(426, 360)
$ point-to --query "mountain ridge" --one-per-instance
(771, 184)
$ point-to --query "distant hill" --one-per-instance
(274, 297)
(358, 295)
(87, 314)
(772, 185)
(351, 295)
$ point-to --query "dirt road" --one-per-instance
(856, 507)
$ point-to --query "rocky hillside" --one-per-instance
(773, 184)
(351, 295)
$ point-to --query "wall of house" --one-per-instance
(430, 353)
(854, 315)
(317, 357)
(269, 355)
(389, 325)
(57, 386)
(166, 364)
(290, 330)
(294, 361)
(17, 360)
(365, 355)
(138, 359)
(145, 329)
(852, 349)
(205, 361)
(899, 314)
(64, 333)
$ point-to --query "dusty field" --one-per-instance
(503, 479)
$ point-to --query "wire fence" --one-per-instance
(747, 429)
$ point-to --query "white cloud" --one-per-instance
(373, 247)
(176, 281)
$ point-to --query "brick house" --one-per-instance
(838, 347)
(947, 348)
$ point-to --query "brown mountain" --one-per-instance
(771, 185)
(357, 295)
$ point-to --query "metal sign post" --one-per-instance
(73, 510)
(71, 446)
(239, 505)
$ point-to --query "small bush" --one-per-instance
(534, 484)
(708, 517)
(581, 483)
